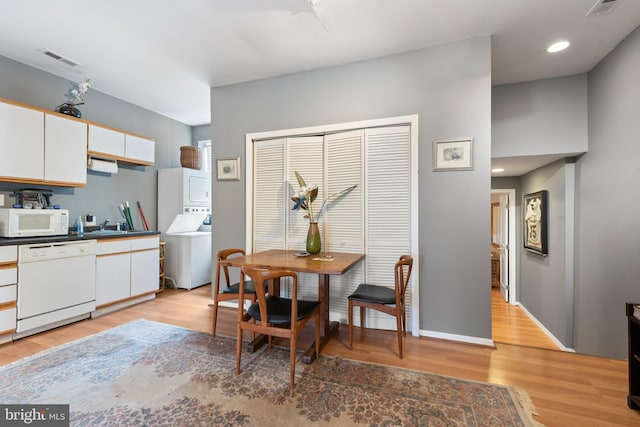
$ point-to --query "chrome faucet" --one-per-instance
(104, 224)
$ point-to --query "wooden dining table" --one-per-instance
(324, 265)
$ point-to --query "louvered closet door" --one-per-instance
(269, 195)
(388, 220)
(344, 219)
(373, 219)
(305, 155)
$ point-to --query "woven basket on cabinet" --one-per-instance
(190, 157)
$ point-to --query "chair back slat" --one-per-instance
(281, 325)
(222, 256)
(403, 274)
(378, 297)
(260, 279)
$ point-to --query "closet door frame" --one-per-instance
(412, 121)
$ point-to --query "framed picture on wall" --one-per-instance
(453, 155)
(535, 222)
(228, 169)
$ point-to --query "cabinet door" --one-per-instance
(113, 281)
(8, 276)
(140, 150)
(21, 142)
(8, 254)
(7, 320)
(106, 141)
(65, 150)
(145, 271)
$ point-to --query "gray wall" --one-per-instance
(586, 313)
(608, 202)
(201, 133)
(536, 118)
(540, 117)
(103, 192)
(449, 87)
(542, 287)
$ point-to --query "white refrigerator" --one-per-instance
(184, 203)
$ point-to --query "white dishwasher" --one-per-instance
(56, 284)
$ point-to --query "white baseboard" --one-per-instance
(115, 307)
(234, 304)
(459, 338)
(555, 340)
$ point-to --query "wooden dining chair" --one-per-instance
(230, 291)
(275, 316)
(385, 299)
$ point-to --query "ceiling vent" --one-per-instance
(602, 6)
(60, 58)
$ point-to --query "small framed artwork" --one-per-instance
(228, 169)
(453, 155)
(535, 222)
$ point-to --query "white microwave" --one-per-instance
(16, 222)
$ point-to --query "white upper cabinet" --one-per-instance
(139, 150)
(65, 150)
(21, 142)
(106, 141)
(42, 147)
(114, 144)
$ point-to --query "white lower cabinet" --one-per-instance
(113, 278)
(126, 270)
(8, 291)
(144, 278)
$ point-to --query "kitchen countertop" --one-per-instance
(7, 241)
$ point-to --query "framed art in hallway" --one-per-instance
(535, 222)
(453, 155)
(228, 169)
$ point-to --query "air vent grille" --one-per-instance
(60, 58)
(602, 6)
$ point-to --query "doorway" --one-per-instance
(503, 242)
(509, 323)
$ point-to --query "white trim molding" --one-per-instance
(458, 338)
(555, 340)
(411, 120)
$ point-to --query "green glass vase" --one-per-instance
(314, 243)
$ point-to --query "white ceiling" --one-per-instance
(164, 55)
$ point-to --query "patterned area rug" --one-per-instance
(151, 374)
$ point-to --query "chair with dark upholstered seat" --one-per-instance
(274, 315)
(230, 291)
(387, 300)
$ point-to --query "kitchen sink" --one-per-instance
(103, 232)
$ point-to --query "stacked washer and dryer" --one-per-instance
(184, 215)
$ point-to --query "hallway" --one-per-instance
(510, 325)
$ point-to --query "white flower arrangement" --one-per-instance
(74, 96)
(304, 198)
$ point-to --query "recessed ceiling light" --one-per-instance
(497, 170)
(558, 46)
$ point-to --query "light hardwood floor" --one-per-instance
(567, 389)
(510, 325)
